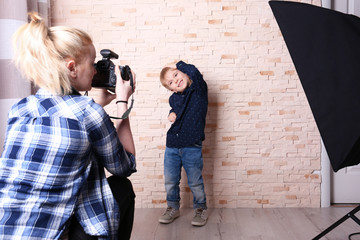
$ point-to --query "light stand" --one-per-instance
(350, 214)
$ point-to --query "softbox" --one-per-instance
(325, 48)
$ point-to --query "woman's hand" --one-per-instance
(123, 88)
(105, 97)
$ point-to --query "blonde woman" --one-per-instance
(58, 142)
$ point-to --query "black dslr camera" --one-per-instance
(105, 71)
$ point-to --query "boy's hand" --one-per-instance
(172, 117)
(171, 65)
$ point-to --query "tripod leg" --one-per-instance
(337, 223)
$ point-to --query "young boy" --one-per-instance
(188, 104)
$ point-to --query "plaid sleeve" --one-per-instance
(105, 142)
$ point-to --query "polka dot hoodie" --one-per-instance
(190, 108)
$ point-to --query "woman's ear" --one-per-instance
(71, 65)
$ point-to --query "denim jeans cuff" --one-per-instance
(174, 205)
(203, 206)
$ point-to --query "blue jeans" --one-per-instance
(191, 159)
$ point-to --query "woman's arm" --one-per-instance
(123, 92)
(124, 130)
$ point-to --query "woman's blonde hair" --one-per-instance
(41, 53)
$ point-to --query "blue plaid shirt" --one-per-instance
(52, 168)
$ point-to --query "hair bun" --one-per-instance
(34, 17)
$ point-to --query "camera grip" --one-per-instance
(125, 70)
(126, 75)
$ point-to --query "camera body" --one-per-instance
(105, 71)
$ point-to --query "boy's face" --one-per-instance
(176, 80)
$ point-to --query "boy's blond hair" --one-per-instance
(41, 53)
(162, 76)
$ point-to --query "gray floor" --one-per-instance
(247, 224)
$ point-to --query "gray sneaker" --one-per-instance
(169, 215)
(200, 217)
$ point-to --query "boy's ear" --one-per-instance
(71, 65)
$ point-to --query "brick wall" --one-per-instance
(262, 145)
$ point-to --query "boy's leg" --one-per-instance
(193, 165)
(123, 192)
(172, 174)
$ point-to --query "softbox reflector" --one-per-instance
(325, 48)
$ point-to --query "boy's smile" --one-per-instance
(177, 81)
